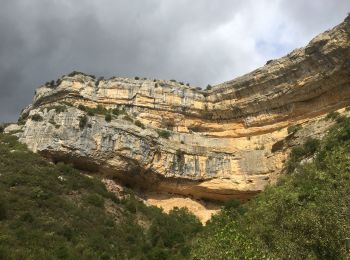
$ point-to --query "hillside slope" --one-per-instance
(55, 212)
(305, 216)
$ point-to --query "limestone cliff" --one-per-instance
(230, 141)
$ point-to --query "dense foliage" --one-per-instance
(54, 212)
(305, 216)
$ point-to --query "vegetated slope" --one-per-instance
(55, 212)
(305, 216)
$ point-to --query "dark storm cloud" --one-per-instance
(199, 42)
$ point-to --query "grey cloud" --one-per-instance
(199, 42)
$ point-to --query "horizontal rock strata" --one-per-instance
(166, 136)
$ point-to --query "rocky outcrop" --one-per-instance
(164, 136)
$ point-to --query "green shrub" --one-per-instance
(83, 121)
(294, 128)
(232, 204)
(115, 111)
(311, 145)
(22, 119)
(128, 118)
(164, 134)
(82, 107)
(108, 117)
(209, 87)
(139, 124)
(37, 118)
(340, 119)
(90, 112)
(137, 78)
(332, 115)
(173, 80)
(2, 128)
(60, 109)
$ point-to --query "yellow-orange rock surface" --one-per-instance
(228, 142)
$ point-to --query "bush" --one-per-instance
(59, 109)
(294, 128)
(82, 107)
(139, 124)
(232, 204)
(332, 115)
(173, 80)
(164, 134)
(137, 78)
(309, 148)
(311, 145)
(2, 128)
(108, 117)
(22, 119)
(128, 118)
(209, 87)
(115, 111)
(90, 112)
(37, 118)
(83, 121)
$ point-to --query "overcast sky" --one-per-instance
(197, 41)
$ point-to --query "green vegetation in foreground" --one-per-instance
(54, 212)
(305, 216)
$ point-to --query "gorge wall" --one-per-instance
(163, 136)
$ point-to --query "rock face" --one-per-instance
(230, 141)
